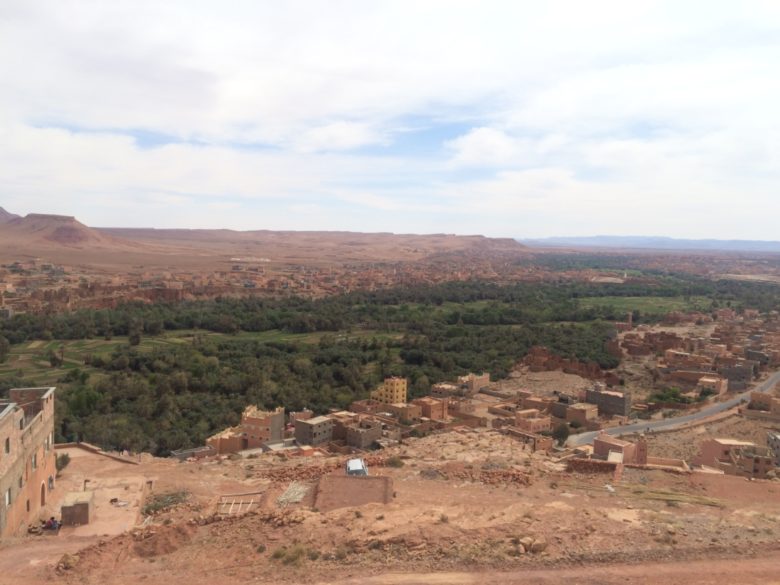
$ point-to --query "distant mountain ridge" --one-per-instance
(64, 239)
(57, 230)
(655, 243)
(6, 216)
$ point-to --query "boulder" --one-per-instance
(526, 542)
(68, 562)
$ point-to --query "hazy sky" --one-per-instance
(513, 118)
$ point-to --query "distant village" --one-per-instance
(35, 285)
(741, 350)
(595, 429)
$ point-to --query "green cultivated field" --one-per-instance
(648, 305)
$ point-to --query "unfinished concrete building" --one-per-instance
(342, 419)
(609, 402)
(753, 461)
(314, 431)
(739, 373)
(27, 460)
(736, 457)
(364, 433)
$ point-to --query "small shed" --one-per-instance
(78, 508)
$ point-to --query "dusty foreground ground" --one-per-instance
(470, 507)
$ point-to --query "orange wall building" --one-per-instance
(27, 461)
(393, 391)
(256, 427)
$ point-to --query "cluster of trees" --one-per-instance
(521, 303)
(174, 396)
(672, 395)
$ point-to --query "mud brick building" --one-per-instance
(256, 428)
(432, 408)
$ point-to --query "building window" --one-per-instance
(35, 461)
(21, 482)
(21, 424)
(7, 445)
(28, 505)
(8, 497)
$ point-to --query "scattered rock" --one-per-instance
(68, 562)
(527, 542)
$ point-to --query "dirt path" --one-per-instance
(30, 562)
(751, 571)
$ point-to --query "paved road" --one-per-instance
(677, 421)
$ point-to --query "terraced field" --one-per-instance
(30, 361)
(649, 305)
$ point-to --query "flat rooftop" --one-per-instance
(40, 393)
(609, 439)
(317, 420)
(734, 442)
(6, 407)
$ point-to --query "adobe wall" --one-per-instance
(471, 420)
(541, 359)
(590, 466)
(667, 462)
(759, 414)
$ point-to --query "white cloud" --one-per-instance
(569, 115)
(335, 136)
(488, 147)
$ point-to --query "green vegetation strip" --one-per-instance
(670, 496)
(161, 502)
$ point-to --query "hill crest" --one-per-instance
(64, 230)
(6, 216)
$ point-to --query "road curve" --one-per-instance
(677, 421)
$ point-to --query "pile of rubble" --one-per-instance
(67, 562)
(316, 471)
(490, 476)
(282, 518)
(299, 473)
(501, 476)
